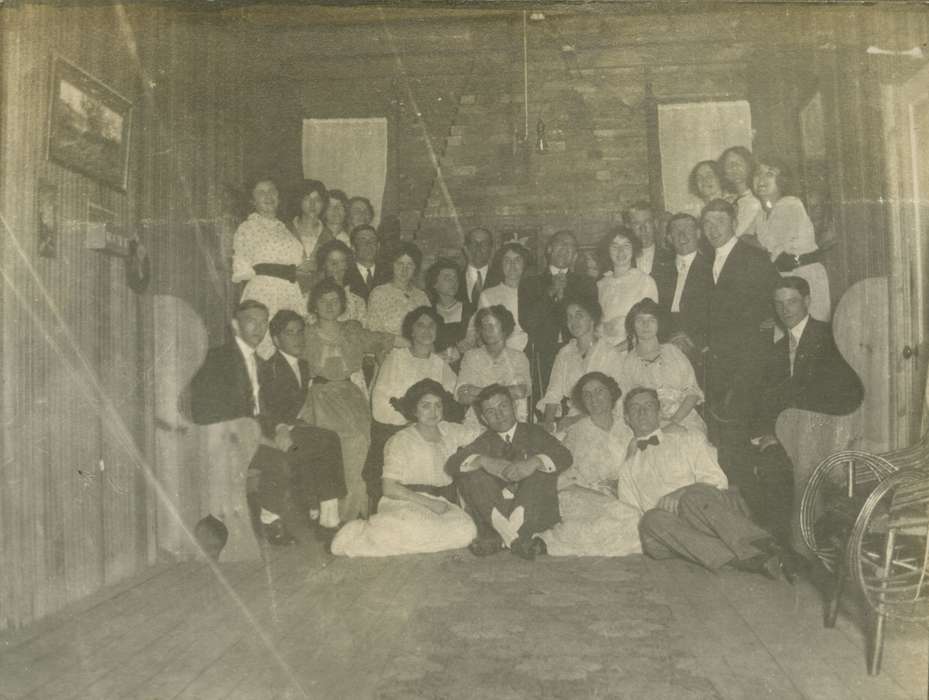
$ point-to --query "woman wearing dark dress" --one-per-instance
(443, 280)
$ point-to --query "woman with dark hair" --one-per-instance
(332, 261)
(593, 521)
(493, 362)
(337, 399)
(418, 512)
(660, 366)
(706, 181)
(360, 212)
(442, 281)
(308, 227)
(738, 167)
(389, 303)
(266, 256)
(622, 285)
(336, 216)
(585, 353)
(784, 230)
(402, 368)
(509, 264)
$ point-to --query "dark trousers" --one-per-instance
(316, 469)
(374, 463)
(541, 361)
(269, 490)
(705, 529)
(537, 494)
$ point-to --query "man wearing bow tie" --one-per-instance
(509, 478)
(673, 479)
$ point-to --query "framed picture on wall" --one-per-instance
(88, 126)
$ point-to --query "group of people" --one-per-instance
(540, 413)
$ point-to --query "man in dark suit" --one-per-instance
(314, 454)
(479, 249)
(805, 370)
(543, 299)
(366, 272)
(739, 302)
(653, 254)
(226, 387)
(684, 286)
(509, 478)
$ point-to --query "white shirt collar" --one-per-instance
(688, 259)
(364, 270)
(246, 349)
(557, 270)
(723, 251)
(511, 432)
(472, 271)
(797, 331)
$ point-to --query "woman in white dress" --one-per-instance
(418, 512)
(401, 369)
(622, 285)
(593, 521)
(585, 353)
(494, 362)
(738, 167)
(265, 255)
(389, 303)
(512, 259)
(662, 367)
(784, 230)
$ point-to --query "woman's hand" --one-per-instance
(567, 422)
(673, 427)
(438, 507)
(451, 354)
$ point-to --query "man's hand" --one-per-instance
(670, 501)
(520, 469)
(763, 442)
(282, 439)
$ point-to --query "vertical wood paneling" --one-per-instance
(77, 392)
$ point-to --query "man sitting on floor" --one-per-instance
(674, 480)
(225, 388)
(314, 454)
(509, 478)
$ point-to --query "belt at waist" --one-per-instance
(288, 273)
(449, 492)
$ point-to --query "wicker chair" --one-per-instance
(866, 517)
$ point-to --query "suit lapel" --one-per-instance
(304, 374)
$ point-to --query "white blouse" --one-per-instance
(401, 370)
(410, 459)
(617, 295)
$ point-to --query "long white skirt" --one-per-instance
(401, 527)
(593, 525)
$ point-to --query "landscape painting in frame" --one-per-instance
(88, 128)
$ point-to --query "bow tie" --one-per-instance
(643, 444)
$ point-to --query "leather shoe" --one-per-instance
(768, 565)
(326, 534)
(277, 534)
(485, 546)
(528, 547)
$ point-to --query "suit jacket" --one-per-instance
(356, 283)
(529, 440)
(822, 380)
(281, 396)
(739, 301)
(464, 294)
(543, 318)
(220, 390)
(695, 297)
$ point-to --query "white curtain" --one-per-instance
(694, 131)
(348, 155)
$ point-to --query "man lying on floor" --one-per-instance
(674, 480)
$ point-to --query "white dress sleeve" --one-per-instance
(556, 383)
(390, 379)
(244, 251)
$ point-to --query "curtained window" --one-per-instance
(348, 155)
(694, 131)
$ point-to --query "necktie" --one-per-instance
(477, 288)
(792, 350)
(679, 286)
(369, 278)
(643, 444)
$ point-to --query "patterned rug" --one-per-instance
(558, 628)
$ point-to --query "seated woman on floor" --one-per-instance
(402, 368)
(594, 522)
(662, 367)
(494, 362)
(418, 512)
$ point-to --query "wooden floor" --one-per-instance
(308, 625)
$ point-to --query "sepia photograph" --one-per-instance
(493, 350)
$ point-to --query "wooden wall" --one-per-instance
(76, 512)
